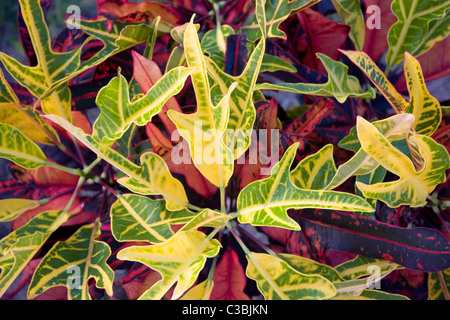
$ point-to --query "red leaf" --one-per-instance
(152, 9)
(376, 39)
(435, 64)
(229, 279)
(266, 119)
(305, 124)
(442, 134)
(146, 73)
(310, 32)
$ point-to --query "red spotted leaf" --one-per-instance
(418, 248)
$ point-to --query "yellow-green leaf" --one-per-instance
(276, 11)
(340, 85)
(277, 280)
(351, 14)
(117, 112)
(15, 146)
(315, 171)
(200, 292)
(396, 127)
(424, 106)
(10, 209)
(412, 187)
(72, 263)
(51, 67)
(420, 24)
(204, 130)
(139, 218)
(178, 260)
(152, 177)
(439, 285)
(265, 202)
(22, 117)
(21, 245)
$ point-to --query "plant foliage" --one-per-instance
(226, 150)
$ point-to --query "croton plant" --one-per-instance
(229, 149)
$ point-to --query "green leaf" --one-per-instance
(15, 146)
(277, 280)
(51, 67)
(412, 187)
(276, 11)
(265, 202)
(359, 266)
(124, 35)
(118, 113)
(351, 14)
(416, 30)
(214, 43)
(204, 130)
(21, 245)
(152, 177)
(315, 171)
(139, 218)
(339, 85)
(82, 253)
(439, 285)
(10, 209)
(178, 260)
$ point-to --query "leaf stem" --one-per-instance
(213, 265)
(73, 171)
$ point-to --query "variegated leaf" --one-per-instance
(315, 171)
(394, 128)
(10, 209)
(265, 202)
(412, 187)
(276, 11)
(118, 112)
(15, 146)
(420, 25)
(122, 36)
(242, 110)
(202, 291)
(51, 67)
(72, 263)
(424, 106)
(21, 245)
(340, 85)
(351, 14)
(204, 130)
(152, 177)
(23, 117)
(139, 218)
(439, 285)
(178, 260)
(277, 280)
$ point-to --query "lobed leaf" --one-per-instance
(117, 113)
(15, 146)
(265, 202)
(178, 260)
(420, 24)
(277, 280)
(80, 251)
(152, 177)
(204, 130)
(412, 187)
(340, 85)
